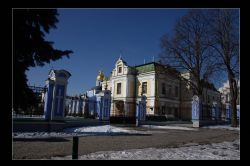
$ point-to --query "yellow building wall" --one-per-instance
(104, 84)
(148, 88)
(122, 89)
(148, 108)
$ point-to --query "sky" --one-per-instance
(99, 36)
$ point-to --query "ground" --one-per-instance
(147, 140)
(214, 151)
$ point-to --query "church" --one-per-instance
(166, 93)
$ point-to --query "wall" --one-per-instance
(148, 77)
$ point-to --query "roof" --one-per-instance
(153, 66)
(145, 67)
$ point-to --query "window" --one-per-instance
(170, 90)
(169, 111)
(163, 110)
(176, 91)
(163, 91)
(119, 85)
(119, 69)
(176, 112)
(144, 87)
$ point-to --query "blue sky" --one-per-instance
(98, 36)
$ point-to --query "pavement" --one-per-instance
(159, 138)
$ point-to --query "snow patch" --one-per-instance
(169, 127)
(228, 127)
(79, 131)
(99, 129)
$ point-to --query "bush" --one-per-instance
(156, 118)
(122, 120)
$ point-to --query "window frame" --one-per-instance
(144, 87)
(163, 110)
(119, 69)
(170, 90)
(176, 91)
(163, 88)
(119, 88)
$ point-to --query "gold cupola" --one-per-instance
(100, 76)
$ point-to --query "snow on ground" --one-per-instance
(108, 130)
(27, 116)
(79, 131)
(169, 127)
(31, 135)
(228, 127)
(214, 151)
(100, 129)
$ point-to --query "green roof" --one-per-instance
(145, 68)
(154, 66)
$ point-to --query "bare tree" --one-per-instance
(224, 30)
(189, 49)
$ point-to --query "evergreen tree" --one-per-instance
(30, 49)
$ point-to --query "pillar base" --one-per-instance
(196, 124)
(137, 123)
(57, 119)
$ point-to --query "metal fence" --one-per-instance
(211, 113)
(36, 109)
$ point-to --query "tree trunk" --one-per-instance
(233, 96)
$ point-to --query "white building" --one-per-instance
(225, 92)
(166, 93)
(225, 97)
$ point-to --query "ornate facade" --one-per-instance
(166, 93)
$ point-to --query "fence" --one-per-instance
(36, 109)
(209, 112)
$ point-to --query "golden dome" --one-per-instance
(100, 76)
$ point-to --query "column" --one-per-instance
(56, 94)
(196, 109)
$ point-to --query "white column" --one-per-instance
(53, 101)
(70, 105)
(125, 87)
(152, 87)
(77, 106)
(73, 106)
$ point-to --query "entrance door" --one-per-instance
(119, 108)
